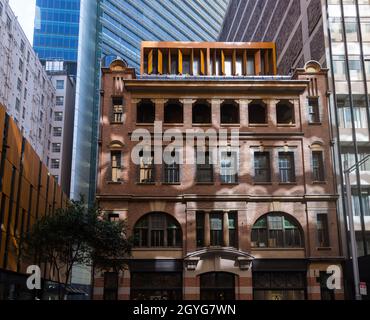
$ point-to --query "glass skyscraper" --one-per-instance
(125, 23)
(116, 28)
(56, 31)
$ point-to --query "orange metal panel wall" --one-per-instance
(30, 176)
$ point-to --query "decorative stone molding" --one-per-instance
(191, 263)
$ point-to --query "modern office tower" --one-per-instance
(61, 138)
(336, 33)
(25, 88)
(248, 216)
(116, 28)
(27, 192)
(56, 32)
(126, 23)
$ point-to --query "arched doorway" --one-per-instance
(217, 286)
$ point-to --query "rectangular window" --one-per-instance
(313, 110)
(8, 22)
(322, 230)
(22, 46)
(17, 104)
(55, 163)
(21, 65)
(200, 229)
(116, 162)
(317, 166)
(229, 167)
(286, 167)
(27, 73)
(275, 232)
(41, 118)
(42, 99)
(56, 147)
(60, 84)
(19, 84)
(59, 100)
(58, 116)
(172, 171)
(40, 134)
(204, 168)
(233, 229)
(25, 94)
(216, 224)
(57, 132)
(146, 169)
(117, 112)
(262, 170)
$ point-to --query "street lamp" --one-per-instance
(356, 273)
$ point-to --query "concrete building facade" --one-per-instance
(25, 89)
(61, 138)
(261, 221)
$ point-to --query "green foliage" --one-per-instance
(77, 235)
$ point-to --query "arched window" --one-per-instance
(173, 112)
(145, 111)
(157, 230)
(257, 112)
(230, 112)
(276, 230)
(285, 112)
(202, 113)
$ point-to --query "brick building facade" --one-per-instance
(260, 222)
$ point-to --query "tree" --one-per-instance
(77, 235)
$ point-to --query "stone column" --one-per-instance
(226, 229)
(207, 229)
(216, 113)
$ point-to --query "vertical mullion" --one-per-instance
(358, 178)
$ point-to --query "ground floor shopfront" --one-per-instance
(218, 278)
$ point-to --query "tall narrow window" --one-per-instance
(117, 115)
(116, 159)
(262, 170)
(172, 169)
(313, 110)
(286, 167)
(216, 229)
(322, 230)
(317, 166)
(204, 168)
(146, 168)
(200, 229)
(233, 229)
(229, 167)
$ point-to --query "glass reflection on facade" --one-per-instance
(56, 31)
(349, 25)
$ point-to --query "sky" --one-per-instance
(25, 11)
